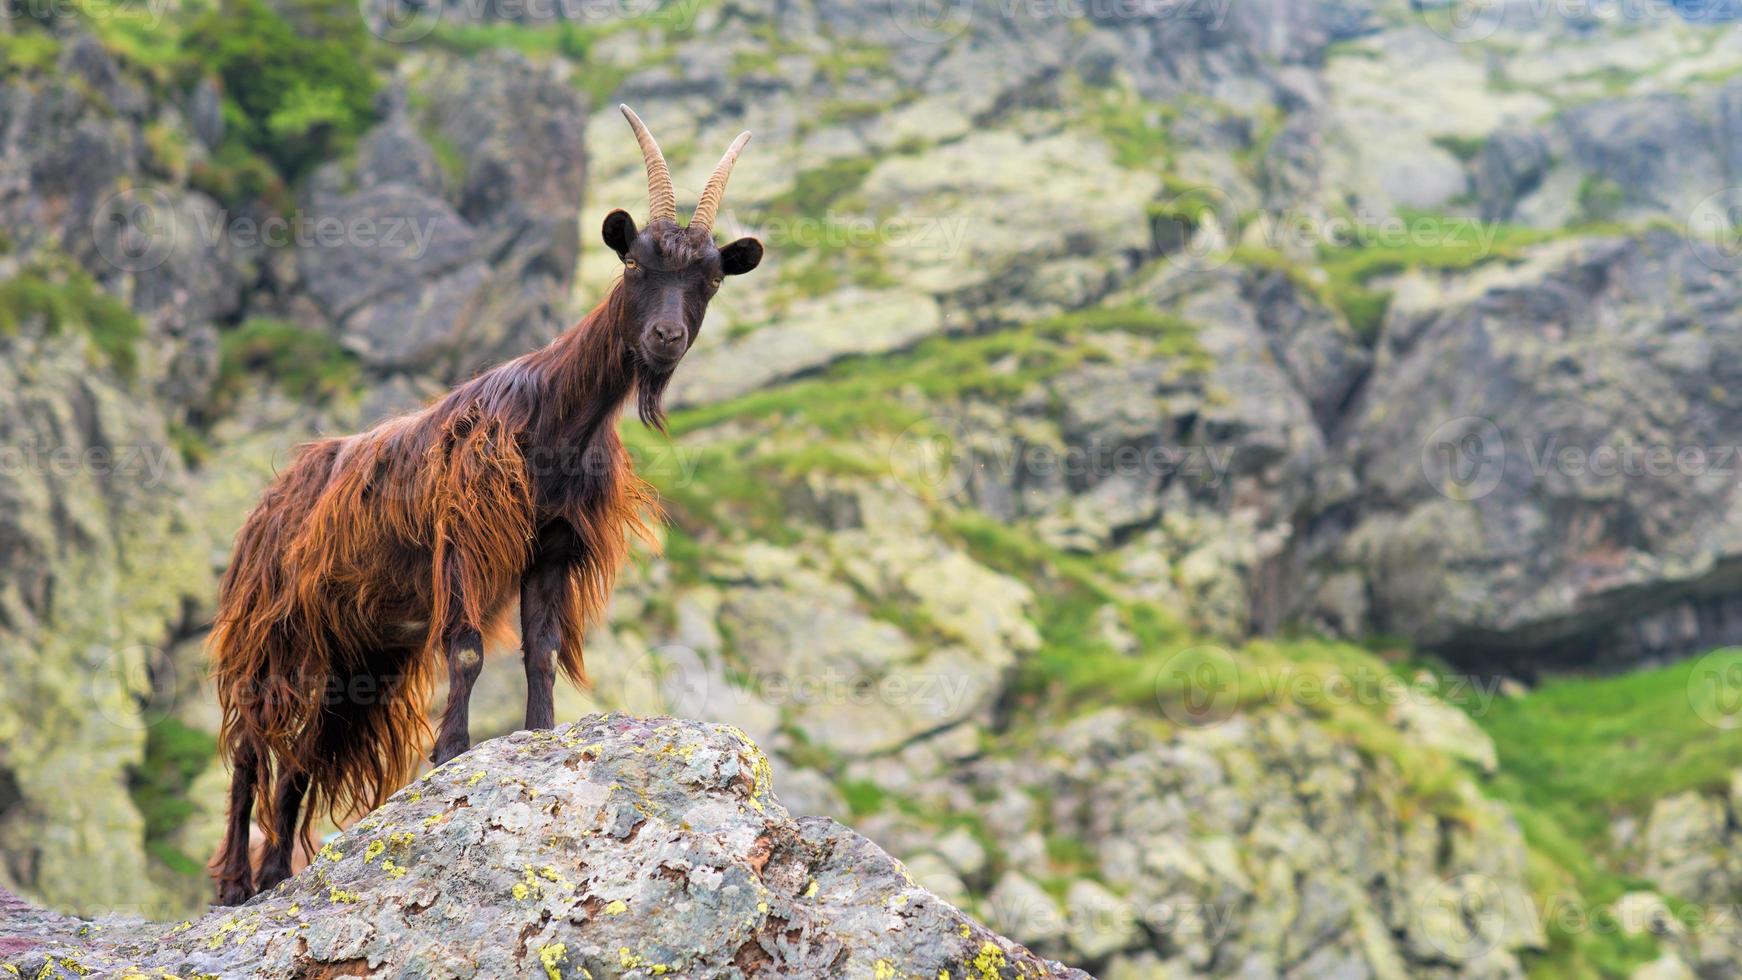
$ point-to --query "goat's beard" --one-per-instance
(650, 395)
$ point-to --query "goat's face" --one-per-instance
(669, 275)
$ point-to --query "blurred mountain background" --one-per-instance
(1218, 487)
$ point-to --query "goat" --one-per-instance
(375, 558)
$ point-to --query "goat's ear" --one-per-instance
(741, 256)
(619, 232)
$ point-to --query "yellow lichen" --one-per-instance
(373, 851)
(340, 895)
(883, 970)
(990, 962)
(477, 778)
(616, 907)
(393, 870)
(550, 956)
(330, 852)
(811, 892)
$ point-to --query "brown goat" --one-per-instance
(376, 557)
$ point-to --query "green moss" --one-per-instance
(815, 189)
(298, 84)
(175, 755)
(58, 298)
(1578, 753)
(1465, 148)
(1600, 199)
(1137, 129)
(27, 51)
(306, 363)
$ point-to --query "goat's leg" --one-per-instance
(465, 662)
(275, 866)
(544, 602)
(235, 875)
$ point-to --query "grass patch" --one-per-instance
(1465, 148)
(1578, 753)
(61, 298)
(305, 363)
(1585, 751)
(175, 755)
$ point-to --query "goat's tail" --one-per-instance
(296, 696)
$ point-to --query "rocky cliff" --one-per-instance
(610, 847)
(1154, 436)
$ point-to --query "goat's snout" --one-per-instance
(665, 339)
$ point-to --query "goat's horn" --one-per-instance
(661, 199)
(715, 192)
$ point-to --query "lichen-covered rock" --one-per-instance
(613, 847)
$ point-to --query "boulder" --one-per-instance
(612, 847)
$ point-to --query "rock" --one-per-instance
(616, 846)
(1445, 728)
(1689, 851)
(1098, 922)
(1555, 500)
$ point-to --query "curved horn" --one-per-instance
(715, 192)
(661, 199)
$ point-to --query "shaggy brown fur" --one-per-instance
(376, 558)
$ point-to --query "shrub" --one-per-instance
(305, 363)
(64, 298)
(296, 93)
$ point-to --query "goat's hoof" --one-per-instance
(269, 878)
(233, 893)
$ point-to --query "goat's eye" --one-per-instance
(631, 264)
(715, 282)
